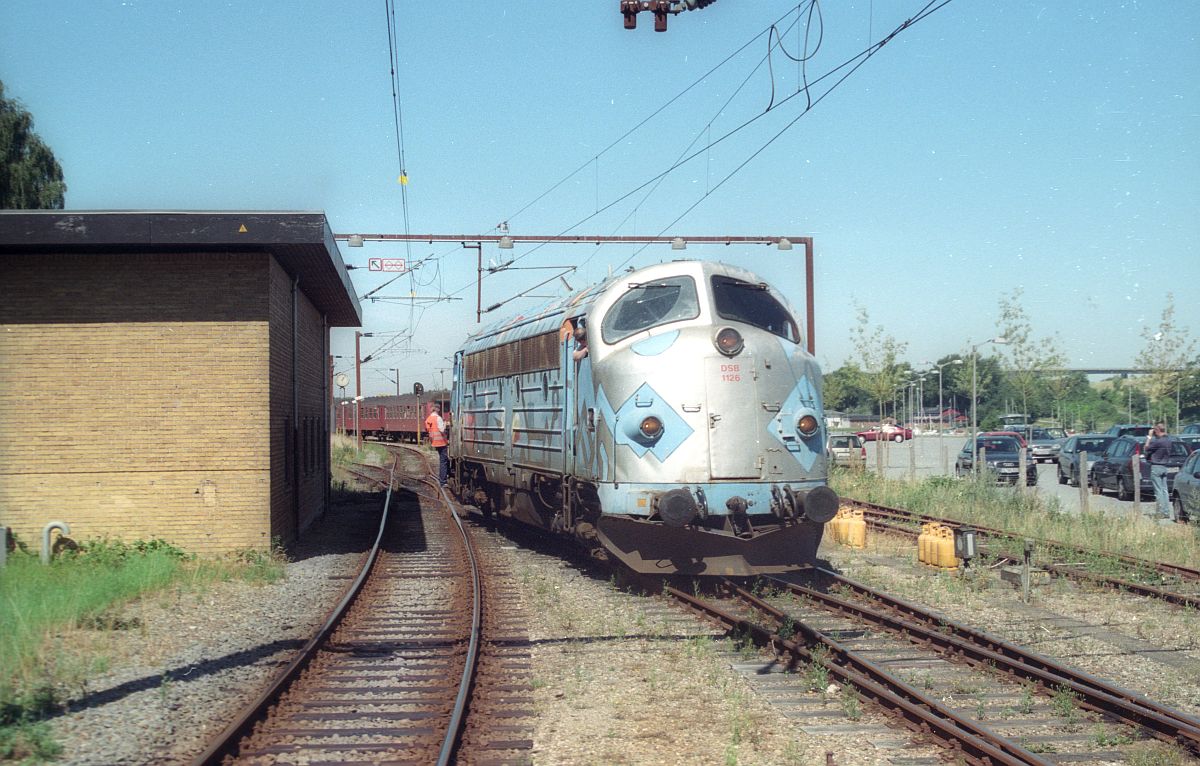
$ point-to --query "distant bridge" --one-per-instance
(1122, 371)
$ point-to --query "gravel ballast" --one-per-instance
(619, 677)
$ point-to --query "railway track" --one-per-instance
(423, 661)
(985, 700)
(1156, 579)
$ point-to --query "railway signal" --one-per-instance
(660, 8)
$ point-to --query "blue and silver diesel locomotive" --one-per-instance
(669, 417)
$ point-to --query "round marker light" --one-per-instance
(651, 427)
(729, 342)
(807, 425)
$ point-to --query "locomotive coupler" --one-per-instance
(737, 516)
(779, 503)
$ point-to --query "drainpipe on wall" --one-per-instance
(327, 417)
(47, 549)
(296, 405)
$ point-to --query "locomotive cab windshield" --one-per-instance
(650, 304)
(753, 304)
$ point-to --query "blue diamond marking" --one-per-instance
(642, 403)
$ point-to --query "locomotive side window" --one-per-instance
(753, 304)
(650, 304)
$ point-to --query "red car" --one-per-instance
(890, 433)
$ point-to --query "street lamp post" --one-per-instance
(913, 411)
(357, 389)
(1178, 385)
(999, 340)
(343, 401)
(921, 395)
(941, 414)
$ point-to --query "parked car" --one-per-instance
(842, 448)
(1045, 443)
(1020, 437)
(1114, 469)
(1185, 494)
(1068, 457)
(1001, 456)
(1129, 429)
(1190, 435)
(890, 433)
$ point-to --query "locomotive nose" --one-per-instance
(677, 507)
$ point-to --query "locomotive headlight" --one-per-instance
(807, 425)
(651, 427)
(729, 341)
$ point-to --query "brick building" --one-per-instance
(165, 375)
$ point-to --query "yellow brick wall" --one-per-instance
(134, 394)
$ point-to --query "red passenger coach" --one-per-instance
(392, 418)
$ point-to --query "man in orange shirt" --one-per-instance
(436, 428)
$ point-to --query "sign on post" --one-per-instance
(386, 264)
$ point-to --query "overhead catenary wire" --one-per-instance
(595, 159)
(706, 131)
(774, 40)
(679, 161)
(852, 63)
(397, 109)
(647, 118)
(861, 58)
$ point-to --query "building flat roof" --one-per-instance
(301, 242)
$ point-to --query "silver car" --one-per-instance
(1185, 494)
(1068, 456)
(1045, 443)
(846, 449)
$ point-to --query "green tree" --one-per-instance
(989, 387)
(1169, 354)
(1064, 386)
(843, 389)
(881, 373)
(1029, 360)
(30, 176)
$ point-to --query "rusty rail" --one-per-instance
(227, 741)
(983, 649)
(915, 710)
(881, 514)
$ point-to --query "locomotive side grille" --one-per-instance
(541, 352)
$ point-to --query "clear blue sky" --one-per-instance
(1051, 146)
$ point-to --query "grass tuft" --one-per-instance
(1025, 514)
(85, 588)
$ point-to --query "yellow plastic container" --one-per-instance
(945, 549)
(855, 529)
(837, 525)
(924, 542)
